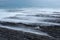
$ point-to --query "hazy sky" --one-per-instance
(35, 3)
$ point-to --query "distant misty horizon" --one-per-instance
(29, 3)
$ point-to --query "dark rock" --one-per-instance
(20, 35)
(52, 30)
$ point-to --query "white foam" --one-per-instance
(27, 11)
(28, 30)
(23, 12)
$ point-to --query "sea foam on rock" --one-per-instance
(30, 24)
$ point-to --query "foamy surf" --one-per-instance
(31, 18)
(31, 15)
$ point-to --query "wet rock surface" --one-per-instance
(9, 34)
(53, 31)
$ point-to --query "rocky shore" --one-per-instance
(10, 31)
(10, 34)
(30, 24)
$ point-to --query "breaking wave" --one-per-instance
(27, 18)
(31, 15)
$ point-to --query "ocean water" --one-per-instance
(44, 16)
(29, 12)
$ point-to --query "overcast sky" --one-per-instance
(36, 3)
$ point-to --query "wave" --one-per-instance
(31, 15)
(43, 19)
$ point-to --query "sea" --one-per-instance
(30, 12)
